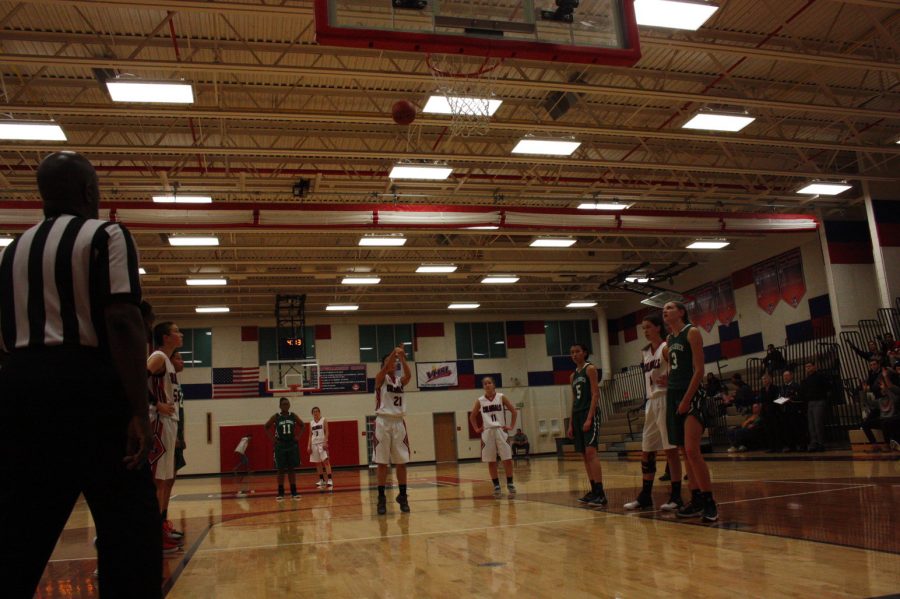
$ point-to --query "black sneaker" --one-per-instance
(382, 505)
(404, 503)
(643, 502)
(710, 511)
(691, 510)
(599, 500)
(665, 477)
(587, 497)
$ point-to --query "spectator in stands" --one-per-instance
(873, 380)
(873, 353)
(814, 393)
(747, 434)
(772, 414)
(794, 414)
(713, 385)
(743, 394)
(520, 443)
(883, 402)
(774, 361)
(888, 344)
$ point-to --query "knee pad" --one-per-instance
(649, 466)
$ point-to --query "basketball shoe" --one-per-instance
(643, 502)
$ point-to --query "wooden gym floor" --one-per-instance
(823, 527)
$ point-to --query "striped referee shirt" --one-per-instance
(57, 278)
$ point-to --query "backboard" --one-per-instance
(594, 32)
(292, 376)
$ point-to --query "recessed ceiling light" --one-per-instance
(421, 172)
(581, 304)
(31, 131)
(462, 105)
(206, 282)
(546, 147)
(141, 269)
(499, 279)
(483, 228)
(212, 309)
(150, 92)
(5, 241)
(360, 280)
(178, 199)
(708, 244)
(604, 206)
(553, 242)
(341, 307)
(193, 240)
(382, 240)
(436, 268)
(673, 14)
(824, 188)
(462, 306)
(718, 121)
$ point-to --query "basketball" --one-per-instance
(403, 112)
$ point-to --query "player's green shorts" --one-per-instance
(286, 456)
(590, 438)
(675, 421)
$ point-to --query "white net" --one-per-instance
(467, 86)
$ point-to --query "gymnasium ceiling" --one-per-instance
(272, 107)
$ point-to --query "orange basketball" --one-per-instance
(403, 112)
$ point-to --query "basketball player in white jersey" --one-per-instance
(656, 436)
(391, 440)
(165, 392)
(494, 433)
(317, 446)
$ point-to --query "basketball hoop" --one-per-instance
(294, 388)
(468, 86)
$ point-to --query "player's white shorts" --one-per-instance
(493, 443)
(318, 453)
(391, 441)
(167, 431)
(656, 432)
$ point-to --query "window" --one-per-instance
(197, 348)
(479, 340)
(268, 343)
(377, 340)
(562, 334)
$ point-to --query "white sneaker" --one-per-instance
(732, 449)
(320, 484)
(279, 498)
(894, 445)
(511, 489)
(240, 494)
(742, 449)
(296, 497)
(497, 493)
(330, 483)
(671, 506)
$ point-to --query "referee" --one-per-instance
(74, 391)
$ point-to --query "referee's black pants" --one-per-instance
(64, 433)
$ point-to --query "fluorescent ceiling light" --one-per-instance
(824, 188)
(192, 240)
(711, 121)
(462, 105)
(206, 282)
(366, 348)
(499, 343)
(484, 228)
(546, 147)
(637, 279)
(150, 92)
(553, 242)
(436, 268)
(462, 306)
(604, 206)
(5, 241)
(361, 280)
(581, 304)
(422, 172)
(182, 199)
(500, 279)
(31, 131)
(708, 244)
(341, 307)
(382, 240)
(673, 14)
(141, 269)
(212, 309)
(360, 269)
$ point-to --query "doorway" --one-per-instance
(445, 437)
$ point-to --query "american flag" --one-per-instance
(235, 383)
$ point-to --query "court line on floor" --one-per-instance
(593, 516)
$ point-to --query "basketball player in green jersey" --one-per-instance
(685, 420)
(287, 453)
(584, 426)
